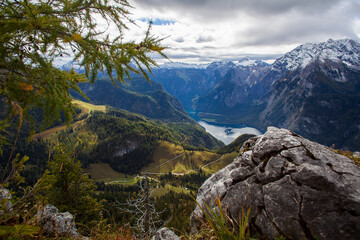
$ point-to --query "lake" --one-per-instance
(224, 132)
(228, 133)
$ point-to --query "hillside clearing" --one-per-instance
(103, 172)
(88, 107)
(173, 158)
(85, 108)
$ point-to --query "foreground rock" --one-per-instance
(165, 234)
(55, 223)
(295, 188)
(5, 201)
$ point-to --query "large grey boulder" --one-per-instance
(56, 224)
(295, 188)
(165, 234)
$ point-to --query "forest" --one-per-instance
(124, 140)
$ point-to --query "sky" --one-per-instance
(202, 31)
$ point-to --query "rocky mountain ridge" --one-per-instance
(320, 98)
(345, 51)
(189, 82)
(333, 58)
(245, 61)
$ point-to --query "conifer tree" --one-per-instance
(68, 187)
(35, 32)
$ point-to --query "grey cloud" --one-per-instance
(209, 47)
(283, 6)
(327, 17)
(204, 39)
(189, 49)
(183, 56)
(179, 39)
(214, 9)
(220, 55)
(272, 22)
(298, 29)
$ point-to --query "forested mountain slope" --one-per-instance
(137, 96)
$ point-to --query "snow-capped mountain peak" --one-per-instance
(221, 66)
(218, 64)
(247, 62)
(346, 51)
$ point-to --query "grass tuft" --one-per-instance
(219, 225)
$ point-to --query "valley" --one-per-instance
(222, 98)
(190, 121)
(166, 157)
(312, 90)
(171, 155)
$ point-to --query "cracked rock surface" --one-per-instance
(55, 223)
(295, 188)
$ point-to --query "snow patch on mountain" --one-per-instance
(346, 51)
(218, 64)
(243, 62)
(247, 62)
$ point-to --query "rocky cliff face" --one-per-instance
(315, 93)
(232, 92)
(295, 188)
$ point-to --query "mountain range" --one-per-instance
(313, 90)
(189, 82)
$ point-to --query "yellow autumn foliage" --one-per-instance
(26, 87)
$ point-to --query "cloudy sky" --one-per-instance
(199, 31)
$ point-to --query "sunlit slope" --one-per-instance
(79, 118)
(169, 157)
